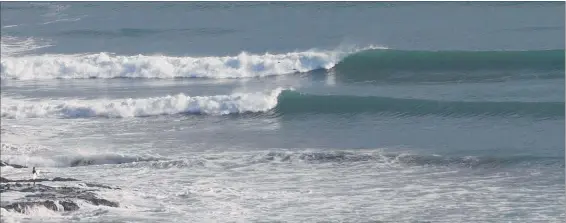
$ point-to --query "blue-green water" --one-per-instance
(290, 111)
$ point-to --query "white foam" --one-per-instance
(171, 104)
(62, 20)
(11, 46)
(11, 149)
(107, 65)
(31, 161)
(33, 211)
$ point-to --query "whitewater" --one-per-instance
(105, 65)
(282, 112)
(214, 105)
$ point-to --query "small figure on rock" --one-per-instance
(33, 175)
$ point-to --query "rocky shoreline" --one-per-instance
(55, 198)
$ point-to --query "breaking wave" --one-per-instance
(237, 103)
(369, 63)
(106, 65)
(76, 160)
(278, 101)
(237, 160)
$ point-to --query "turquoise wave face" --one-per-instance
(455, 60)
(290, 102)
(441, 66)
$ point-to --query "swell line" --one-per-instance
(278, 101)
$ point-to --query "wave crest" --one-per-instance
(105, 65)
(212, 105)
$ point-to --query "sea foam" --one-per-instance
(122, 108)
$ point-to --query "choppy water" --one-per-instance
(293, 112)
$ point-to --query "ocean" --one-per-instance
(284, 111)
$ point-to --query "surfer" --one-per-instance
(33, 175)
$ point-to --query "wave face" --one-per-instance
(386, 59)
(279, 101)
(104, 65)
(237, 103)
(417, 66)
(295, 102)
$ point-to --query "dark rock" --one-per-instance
(48, 195)
(63, 179)
(98, 201)
(4, 188)
(2, 163)
(36, 188)
(101, 186)
(42, 195)
(17, 166)
(45, 192)
(69, 205)
(22, 206)
(5, 180)
(49, 204)
(82, 162)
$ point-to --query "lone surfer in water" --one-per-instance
(33, 175)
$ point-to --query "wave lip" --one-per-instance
(236, 103)
(105, 65)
